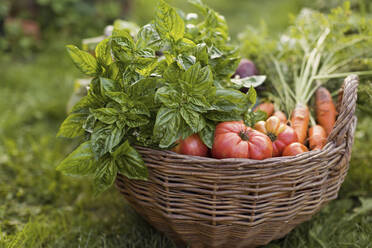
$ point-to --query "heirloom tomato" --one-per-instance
(280, 134)
(235, 140)
(192, 145)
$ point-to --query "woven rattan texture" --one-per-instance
(206, 202)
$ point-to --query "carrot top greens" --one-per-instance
(314, 49)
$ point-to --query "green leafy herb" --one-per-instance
(80, 162)
(83, 60)
(152, 88)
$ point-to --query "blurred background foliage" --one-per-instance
(41, 208)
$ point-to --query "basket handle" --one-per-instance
(346, 110)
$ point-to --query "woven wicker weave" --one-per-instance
(206, 202)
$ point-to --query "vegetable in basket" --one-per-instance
(317, 137)
(236, 140)
(325, 109)
(282, 117)
(266, 107)
(294, 149)
(280, 134)
(192, 145)
(168, 81)
(316, 50)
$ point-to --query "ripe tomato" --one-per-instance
(294, 149)
(282, 117)
(266, 107)
(235, 140)
(192, 145)
(280, 134)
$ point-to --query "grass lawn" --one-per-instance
(39, 207)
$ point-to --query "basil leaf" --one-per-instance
(199, 103)
(114, 138)
(129, 162)
(72, 126)
(107, 85)
(251, 118)
(106, 115)
(113, 71)
(228, 100)
(144, 87)
(252, 95)
(119, 97)
(201, 53)
(105, 175)
(168, 23)
(140, 109)
(80, 162)
(99, 137)
(207, 134)
(105, 139)
(85, 103)
(103, 53)
(135, 120)
(223, 116)
(148, 37)
(83, 60)
(89, 123)
(167, 125)
(198, 75)
(184, 45)
(122, 46)
(147, 67)
(185, 61)
(195, 121)
(169, 97)
(172, 74)
(226, 67)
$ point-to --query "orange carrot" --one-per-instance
(282, 117)
(317, 137)
(266, 107)
(325, 109)
(300, 121)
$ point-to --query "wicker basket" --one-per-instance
(206, 202)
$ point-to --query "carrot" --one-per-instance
(325, 109)
(300, 121)
(266, 107)
(317, 137)
(282, 117)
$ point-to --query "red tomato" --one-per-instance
(294, 149)
(236, 140)
(282, 117)
(192, 145)
(266, 107)
(280, 134)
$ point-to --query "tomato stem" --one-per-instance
(271, 136)
(244, 135)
